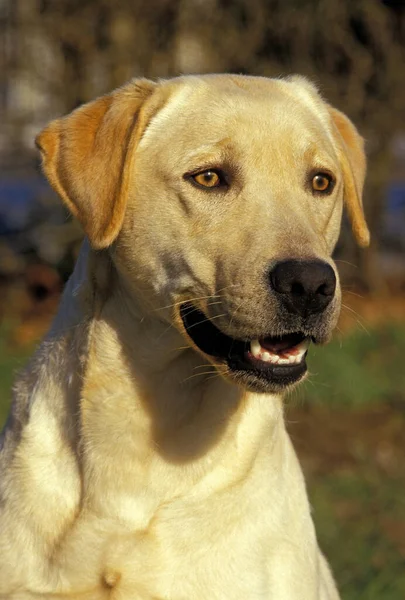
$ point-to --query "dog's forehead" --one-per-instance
(213, 107)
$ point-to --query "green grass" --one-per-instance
(358, 508)
(12, 360)
(360, 521)
(363, 368)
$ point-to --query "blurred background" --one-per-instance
(348, 421)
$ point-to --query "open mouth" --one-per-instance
(268, 364)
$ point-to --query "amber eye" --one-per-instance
(322, 182)
(208, 179)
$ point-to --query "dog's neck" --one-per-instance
(144, 399)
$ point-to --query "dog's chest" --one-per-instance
(220, 536)
(187, 550)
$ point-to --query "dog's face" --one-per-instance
(226, 205)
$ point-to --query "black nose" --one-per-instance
(304, 287)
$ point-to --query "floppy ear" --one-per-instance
(87, 158)
(353, 161)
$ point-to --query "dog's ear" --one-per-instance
(353, 160)
(87, 158)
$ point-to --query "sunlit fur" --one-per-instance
(131, 469)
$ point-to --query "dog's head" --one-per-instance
(221, 199)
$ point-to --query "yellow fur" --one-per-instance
(134, 467)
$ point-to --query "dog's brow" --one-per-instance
(320, 156)
(209, 154)
(211, 148)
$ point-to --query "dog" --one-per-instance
(146, 455)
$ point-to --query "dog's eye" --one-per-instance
(208, 179)
(322, 182)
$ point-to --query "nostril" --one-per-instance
(328, 286)
(297, 288)
(303, 286)
(324, 290)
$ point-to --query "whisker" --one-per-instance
(214, 376)
(347, 291)
(340, 337)
(357, 315)
(364, 328)
(183, 301)
(181, 348)
(351, 309)
(164, 332)
(216, 295)
(234, 313)
(206, 320)
(199, 374)
(310, 379)
(345, 262)
(194, 309)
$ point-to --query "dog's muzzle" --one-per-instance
(273, 360)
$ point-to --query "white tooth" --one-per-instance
(266, 357)
(275, 359)
(255, 348)
(292, 359)
(304, 345)
(283, 361)
(302, 348)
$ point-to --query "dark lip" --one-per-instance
(243, 367)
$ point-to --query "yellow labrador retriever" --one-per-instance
(146, 455)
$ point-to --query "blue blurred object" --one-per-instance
(393, 226)
(34, 226)
(19, 201)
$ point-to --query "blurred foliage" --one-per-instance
(72, 51)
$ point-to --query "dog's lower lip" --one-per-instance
(274, 371)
